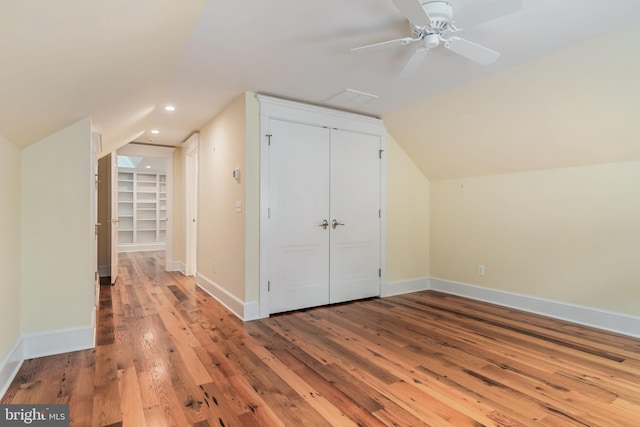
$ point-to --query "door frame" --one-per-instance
(96, 148)
(190, 153)
(275, 108)
(113, 215)
(142, 150)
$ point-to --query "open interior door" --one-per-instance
(113, 206)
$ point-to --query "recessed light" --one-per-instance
(155, 131)
(148, 167)
(170, 108)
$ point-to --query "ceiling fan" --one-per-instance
(430, 21)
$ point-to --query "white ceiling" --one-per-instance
(122, 61)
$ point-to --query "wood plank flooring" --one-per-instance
(168, 354)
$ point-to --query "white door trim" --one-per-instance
(96, 147)
(190, 157)
(113, 215)
(274, 108)
(166, 153)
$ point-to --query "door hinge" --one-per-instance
(269, 139)
(268, 286)
(380, 153)
(379, 272)
(268, 213)
(379, 213)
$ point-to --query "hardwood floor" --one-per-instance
(168, 354)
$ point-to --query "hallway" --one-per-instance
(167, 354)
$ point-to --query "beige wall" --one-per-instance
(221, 230)
(546, 220)
(56, 231)
(10, 297)
(252, 197)
(407, 217)
(570, 235)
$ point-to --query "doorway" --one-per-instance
(324, 228)
(143, 198)
(190, 150)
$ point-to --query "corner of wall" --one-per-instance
(252, 197)
(221, 215)
(10, 258)
(408, 217)
(57, 226)
(10, 365)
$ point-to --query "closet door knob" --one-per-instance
(324, 224)
(335, 223)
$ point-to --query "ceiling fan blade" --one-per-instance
(414, 12)
(470, 50)
(384, 45)
(414, 61)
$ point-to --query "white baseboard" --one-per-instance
(9, 366)
(404, 287)
(40, 345)
(244, 310)
(588, 316)
(138, 247)
(56, 342)
(176, 266)
(251, 311)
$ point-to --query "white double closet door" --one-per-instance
(324, 216)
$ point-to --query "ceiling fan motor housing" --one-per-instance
(440, 14)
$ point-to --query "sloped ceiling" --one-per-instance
(120, 62)
(577, 106)
(63, 60)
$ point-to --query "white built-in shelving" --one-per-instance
(142, 210)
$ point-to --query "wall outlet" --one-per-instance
(481, 270)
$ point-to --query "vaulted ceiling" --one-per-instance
(566, 81)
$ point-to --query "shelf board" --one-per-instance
(141, 197)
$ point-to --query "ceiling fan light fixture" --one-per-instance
(431, 41)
